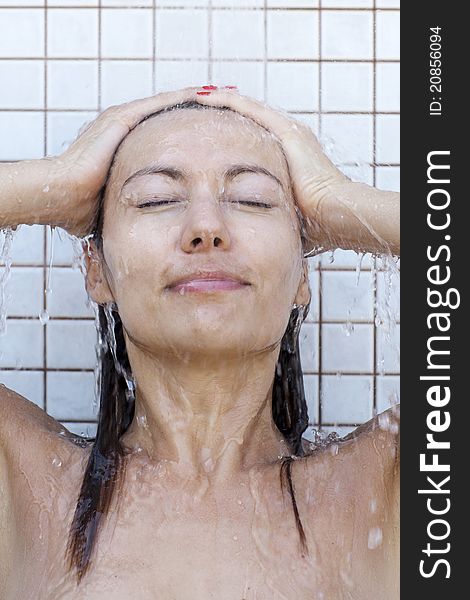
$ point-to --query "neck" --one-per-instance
(208, 416)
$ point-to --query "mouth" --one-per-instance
(204, 281)
(208, 285)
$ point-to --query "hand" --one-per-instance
(339, 213)
(83, 168)
(313, 175)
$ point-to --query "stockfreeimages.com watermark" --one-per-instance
(441, 300)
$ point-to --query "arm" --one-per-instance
(356, 216)
(30, 192)
(64, 191)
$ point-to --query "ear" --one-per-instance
(303, 295)
(95, 281)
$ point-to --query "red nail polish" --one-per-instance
(203, 93)
(209, 87)
(231, 87)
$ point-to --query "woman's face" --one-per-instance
(206, 220)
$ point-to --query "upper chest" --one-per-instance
(190, 543)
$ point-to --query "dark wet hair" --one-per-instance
(105, 466)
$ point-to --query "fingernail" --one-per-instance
(231, 87)
(209, 87)
(203, 93)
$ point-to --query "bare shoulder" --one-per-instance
(27, 432)
(381, 435)
(21, 416)
(385, 425)
(374, 446)
(28, 437)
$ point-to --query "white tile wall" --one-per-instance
(63, 128)
(126, 33)
(24, 132)
(293, 86)
(21, 34)
(388, 138)
(347, 297)
(352, 135)
(72, 34)
(22, 84)
(29, 384)
(182, 34)
(23, 347)
(388, 36)
(388, 86)
(72, 84)
(123, 81)
(347, 87)
(347, 35)
(321, 65)
(347, 348)
(347, 398)
(304, 44)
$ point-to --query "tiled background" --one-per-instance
(331, 63)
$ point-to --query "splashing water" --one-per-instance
(44, 315)
(385, 315)
(321, 439)
(6, 260)
(111, 343)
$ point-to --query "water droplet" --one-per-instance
(348, 328)
(46, 189)
(57, 462)
(44, 317)
(375, 538)
(372, 505)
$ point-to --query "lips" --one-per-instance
(208, 281)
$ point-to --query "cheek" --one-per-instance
(135, 261)
(275, 254)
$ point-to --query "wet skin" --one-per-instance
(169, 538)
(201, 513)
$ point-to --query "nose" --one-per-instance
(205, 226)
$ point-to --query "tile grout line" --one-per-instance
(320, 277)
(374, 182)
(199, 59)
(100, 71)
(209, 42)
(202, 7)
(154, 46)
(265, 50)
(44, 279)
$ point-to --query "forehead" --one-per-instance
(199, 140)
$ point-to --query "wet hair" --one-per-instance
(105, 466)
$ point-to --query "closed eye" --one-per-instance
(253, 203)
(161, 202)
(155, 202)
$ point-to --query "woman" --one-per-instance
(199, 484)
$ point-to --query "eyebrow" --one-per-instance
(182, 175)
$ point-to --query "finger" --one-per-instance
(113, 124)
(134, 111)
(301, 146)
(274, 120)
